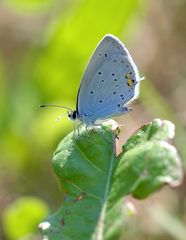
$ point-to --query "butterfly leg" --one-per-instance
(78, 126)
(74, 133)
(87, 132)
(76, 129)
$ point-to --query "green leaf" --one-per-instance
(95, 180)
(84, 166)
(148, 161)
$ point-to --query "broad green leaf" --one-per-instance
(84, 167)
(95, 180)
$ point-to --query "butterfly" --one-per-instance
(110, 82)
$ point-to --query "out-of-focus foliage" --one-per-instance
(21, 217)
(44, 49)
(29, 6)
(2, 95)
(63, 61)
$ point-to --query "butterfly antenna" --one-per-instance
(53, 105)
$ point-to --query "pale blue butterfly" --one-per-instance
(111, 80)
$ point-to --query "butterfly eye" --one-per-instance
(74, 115)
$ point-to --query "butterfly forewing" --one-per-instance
(109, 82)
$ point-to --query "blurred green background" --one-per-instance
(44, 48)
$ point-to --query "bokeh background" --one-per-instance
(44, 48)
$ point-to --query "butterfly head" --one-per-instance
(72, 115)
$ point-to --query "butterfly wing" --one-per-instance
(110, 81)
